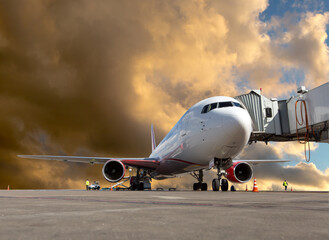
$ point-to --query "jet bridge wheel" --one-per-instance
(224, 185)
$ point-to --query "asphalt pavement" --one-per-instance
(77, 214)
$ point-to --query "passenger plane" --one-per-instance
(209, 135)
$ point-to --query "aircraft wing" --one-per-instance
(150, 163)
(260, 161)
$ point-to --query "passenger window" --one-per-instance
(225, 104)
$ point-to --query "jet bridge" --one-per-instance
(302, 118)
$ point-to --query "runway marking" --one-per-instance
(169, 197)
(73, 213)
(116, 201)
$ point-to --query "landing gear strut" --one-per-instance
(221, 164)
(200, 184)
(138, 182)
(135, 183)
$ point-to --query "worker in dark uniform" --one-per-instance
(285, 184)
(87, 184)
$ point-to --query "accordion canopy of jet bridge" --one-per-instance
(304, 117)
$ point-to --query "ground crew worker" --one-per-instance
(285, 184)
(87, 184)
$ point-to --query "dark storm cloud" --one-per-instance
(65, 72)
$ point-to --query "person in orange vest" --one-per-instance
(285, 184)
(87, 184)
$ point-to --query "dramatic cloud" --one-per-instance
(89, 77)
(301, 44)
(302, 176)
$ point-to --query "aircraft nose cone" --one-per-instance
(238, 126)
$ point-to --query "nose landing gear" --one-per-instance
(216, 183)
(200, 184)
(221, 164)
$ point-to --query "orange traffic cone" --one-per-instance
(255, 189)
(8, 188)
(246, 188)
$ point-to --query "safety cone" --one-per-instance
(8, 188)
(255, 189)
(246, 188)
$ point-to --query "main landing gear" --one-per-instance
(221, 164)
(140, 181)
(200, 184)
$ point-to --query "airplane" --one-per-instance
(209, 135)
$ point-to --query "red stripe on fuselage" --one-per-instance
(179, 160)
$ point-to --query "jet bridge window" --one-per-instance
(268, 112)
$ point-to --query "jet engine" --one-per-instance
(240, 172)
(113, 170)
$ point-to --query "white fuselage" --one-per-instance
(198, 138)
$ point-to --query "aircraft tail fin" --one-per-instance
(153, 138)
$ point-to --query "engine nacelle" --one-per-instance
(114, 170)
(240, 172)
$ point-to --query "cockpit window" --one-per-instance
(205, 109)
(238, 105)
(209, 107)
(225, 104)
(213, 106)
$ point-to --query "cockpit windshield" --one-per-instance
(211, 106)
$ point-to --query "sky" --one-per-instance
(90, 77)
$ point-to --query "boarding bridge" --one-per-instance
(302, 118)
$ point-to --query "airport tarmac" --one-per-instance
(78, 214)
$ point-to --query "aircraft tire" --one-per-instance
(215, 185)
(204, 186)
(141, 186)
(196, 186)
(224, 186)
(133, 187)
